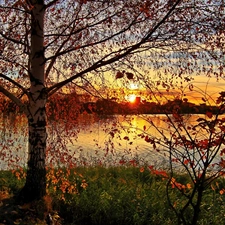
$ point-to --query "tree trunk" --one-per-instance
(35, 186)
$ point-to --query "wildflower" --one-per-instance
(142, 169)
(17, 174)
(172, 182)
(71, 189)
(151, 167)
(84, 184)
(175, 184)
(133, 162)
(222, 191)
(188, 186)
(54, 180)
(63, 197)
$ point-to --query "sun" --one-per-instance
(131, 98)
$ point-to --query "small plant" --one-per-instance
(65, 181)
(114, 195)
(194, 150)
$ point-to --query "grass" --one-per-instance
(100, 195)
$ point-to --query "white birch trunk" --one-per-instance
(35, 186)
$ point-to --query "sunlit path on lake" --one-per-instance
(111, 140)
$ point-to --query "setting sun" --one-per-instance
(131, 98)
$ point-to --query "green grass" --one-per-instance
(116, 195)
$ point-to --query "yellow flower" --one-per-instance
(188, 186)
(222, 191)
(84, 184)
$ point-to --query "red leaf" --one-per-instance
(126, 138)
(130, 76)
(77, 47)
(151, 167)
(209, 114)
(122, 161)
(119, 75)
(222, 152)
(147, 139)
(112, 134)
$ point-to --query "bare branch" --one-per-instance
(73, 32)
(99, 94)
(14, 8)
(51, 3)
(14, 99)
(14, 82)
(90, 44)
(11, 39)
(126, 51)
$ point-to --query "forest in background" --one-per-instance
(76, 103)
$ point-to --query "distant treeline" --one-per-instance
(176, 106)
(61, 106)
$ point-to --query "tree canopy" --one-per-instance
(46, 45)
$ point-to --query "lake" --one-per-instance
(109, 140)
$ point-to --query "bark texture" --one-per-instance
(35, 186)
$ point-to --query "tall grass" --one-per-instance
(116, 195)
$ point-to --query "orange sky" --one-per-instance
(203, 87)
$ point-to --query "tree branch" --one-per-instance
(11, 39)
(14, 99)
(51, 3)
(15, 83)
(73, 32)
(126, 51)
(14, 8)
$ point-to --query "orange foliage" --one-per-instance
(19, 174)
(164, 175)
(60, 181)
(178, 185)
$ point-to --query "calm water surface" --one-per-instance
(109, 140)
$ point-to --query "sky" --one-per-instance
(203, 88)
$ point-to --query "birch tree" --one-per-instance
(47, 44)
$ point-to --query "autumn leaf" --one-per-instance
(119, 75)
(186, 161)
(122, 162)
(150, 167)
(222, 152)
(188, 186)
(130, 76)
(112, 134)
(147, 139)
(126, 138)
(209, 114)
